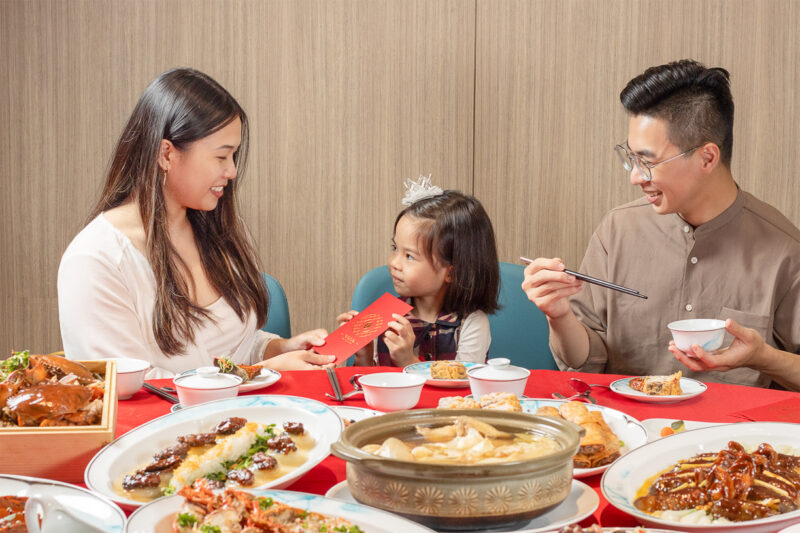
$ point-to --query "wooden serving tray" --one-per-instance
(61, 452)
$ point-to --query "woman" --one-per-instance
(165, 270)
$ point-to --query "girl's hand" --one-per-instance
(305, 340)
(399, 338)
(299, 360)
(346, 317)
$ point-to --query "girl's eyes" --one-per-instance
(410, 257)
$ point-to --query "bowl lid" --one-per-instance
(207, 377)
(499, 369)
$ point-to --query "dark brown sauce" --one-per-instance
(730, 484)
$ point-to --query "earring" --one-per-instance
(164, 181)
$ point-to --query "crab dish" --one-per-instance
(235, 510)
(48, 390)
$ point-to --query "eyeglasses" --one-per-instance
(630, 160)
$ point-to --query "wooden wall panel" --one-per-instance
(548, 77)
(347, 98)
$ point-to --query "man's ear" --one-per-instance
(166, 154)
(448, 276)
(710, 157)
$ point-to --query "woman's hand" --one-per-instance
(549, 287)
(399, 338)
(298, 360)
(746, 348)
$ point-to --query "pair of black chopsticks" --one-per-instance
(596, 281)
(158, 392)
(337, 391)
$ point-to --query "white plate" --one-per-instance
(791, 529)
(135, 448)
(690, 388)
(654, 426)
(266, 378)
(92, 508)
(580, 503)
(424, 369)
(347, 413)
(156, 516)
(628, 473)
(629, 430)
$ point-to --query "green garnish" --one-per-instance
(677, 425)
(168, 491)
(323, 528)
(225, 365)
(186, 519)
(264, 503)
(217, 476)
(16, 361)
(210, 529)
(303, 514)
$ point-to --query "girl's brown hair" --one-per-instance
(460, 234)
(184, 105)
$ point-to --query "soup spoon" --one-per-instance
(581, 387)
(584, 397)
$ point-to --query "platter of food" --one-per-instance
(265, 511)
(84, 505)
(55, 413)
(581, 502)
(265, 441)
(447, 374)
(609, 433)
(752, 470)
(253, 377)
(659, 389)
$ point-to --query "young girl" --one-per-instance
(444, 263)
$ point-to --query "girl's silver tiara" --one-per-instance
(419, 190)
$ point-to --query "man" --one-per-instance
(695, 244)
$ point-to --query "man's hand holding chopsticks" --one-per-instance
(549, 287)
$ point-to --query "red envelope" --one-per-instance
(787, 410)
(363, 328)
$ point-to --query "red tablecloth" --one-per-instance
(717, 404)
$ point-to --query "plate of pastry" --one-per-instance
(448, 374)
(659, 389)
(610, 434)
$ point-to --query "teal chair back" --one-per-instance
(278, 321)
(371, 286)
(519, 330)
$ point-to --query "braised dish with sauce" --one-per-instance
(12, 514)
(729, 485)
(234, 453)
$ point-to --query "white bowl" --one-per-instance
(130, 376)
(391, 391)
(497, 376)
(707, 333)
(205, 385)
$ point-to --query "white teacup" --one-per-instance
(55, 517)
(130, 376)
(707, 333)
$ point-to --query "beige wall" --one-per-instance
(516, 102)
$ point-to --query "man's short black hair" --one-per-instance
(695, 101)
